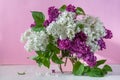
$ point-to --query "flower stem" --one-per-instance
(60, 67)
(65, 62)
(71, 61)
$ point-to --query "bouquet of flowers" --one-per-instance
(71, 34)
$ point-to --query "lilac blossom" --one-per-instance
(70, 8)
(46, 23)
(90, 59)
(81, 35)
(53, 13)
(63, 44)
(109, 34)
(101, 43)
(33, 25)
(78, 44)
(79, 47)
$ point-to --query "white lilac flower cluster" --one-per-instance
(64, 26)
(94, 29)
(35, 41)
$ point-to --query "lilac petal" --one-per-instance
(63, 44)
(71, 8)
(33, 25)
(101, 43)
(53, 13)
(46, 23)
(90, 59)
(109, 34)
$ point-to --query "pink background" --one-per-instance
(15, 18)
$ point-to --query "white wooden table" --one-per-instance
(33, 72)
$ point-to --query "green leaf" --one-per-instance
(107, 68)
(52, 48)
(48, 55)
(81, 26)
(55, 59)
(44, 54)
(39, 52)
(80, 11)
(46, 62)
(51, 39)
(78, 68)
(42, 58)
(38, 29)
(104, 71)
(38, 60)
(35, 57)
(95, 72)
(87, 69)
(63, 8)
(38, 18)
(100, 62)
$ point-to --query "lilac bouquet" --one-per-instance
(71, 34)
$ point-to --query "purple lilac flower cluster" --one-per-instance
(71, 8)
(78, 46)
(53, 14)
(101, 42)
(109, 34)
